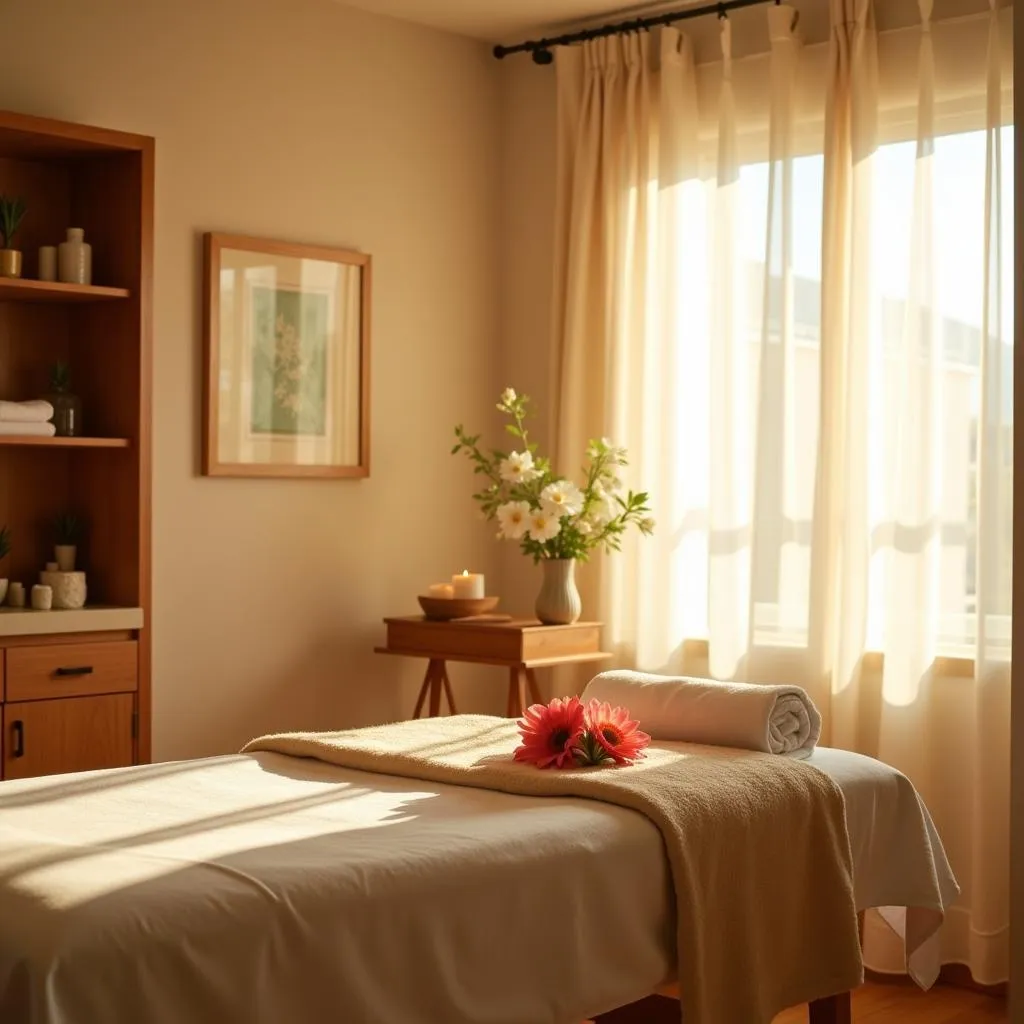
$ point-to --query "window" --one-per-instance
(777, 403)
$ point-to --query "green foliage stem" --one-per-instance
(12, 211)
(604, 516)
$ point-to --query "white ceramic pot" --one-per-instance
(42, 598)
(65, 555)
(48, 263)
(68, 588)
(74, 258)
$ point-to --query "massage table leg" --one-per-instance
(664, 1010)
(833, 1010)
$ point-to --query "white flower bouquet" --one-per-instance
(550, 516)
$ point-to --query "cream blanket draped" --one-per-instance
(757, 844)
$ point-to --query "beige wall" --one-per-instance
(527, 263)
(304, 120)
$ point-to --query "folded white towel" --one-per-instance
(775, 719)
(36, 411)
(10, 429)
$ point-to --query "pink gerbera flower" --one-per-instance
(614, 732)
(550, 733)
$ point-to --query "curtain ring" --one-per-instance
(723, 14)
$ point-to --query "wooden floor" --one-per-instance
(904, 1004)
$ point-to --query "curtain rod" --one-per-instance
(540, 49)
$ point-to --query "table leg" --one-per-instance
(652, 1010)
(832, 1010)
(424, 689)
(517, 701)
(534, 689)
(447, 683)
(514, 707)
(436, 670)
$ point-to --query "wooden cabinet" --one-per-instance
(76, 694)
(71, 734)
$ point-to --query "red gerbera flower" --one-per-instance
(612, 729)
(550, 733)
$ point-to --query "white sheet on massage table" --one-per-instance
(270, 890)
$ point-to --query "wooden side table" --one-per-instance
(521, 646)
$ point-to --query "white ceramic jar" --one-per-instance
(68, 589)
(74, 258)
(48, 263)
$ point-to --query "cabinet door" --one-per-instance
(74, 734)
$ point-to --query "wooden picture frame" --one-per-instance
(286, 359)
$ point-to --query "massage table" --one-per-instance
(269, 889)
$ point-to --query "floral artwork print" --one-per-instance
(289, 362)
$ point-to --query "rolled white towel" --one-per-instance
(775, 719)
(36, 411)
(27, 429)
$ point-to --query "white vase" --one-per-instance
(65, 555)
(74, 258)
(558, 603)
(68, 588)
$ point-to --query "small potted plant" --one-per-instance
(5, 550)
(12, 210)
(67, 528)
(67, 407)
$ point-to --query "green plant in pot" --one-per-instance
(67, 529)
(12, 212)
(67, 407)
(5, 550)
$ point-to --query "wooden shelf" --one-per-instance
(91, 619)
(65, 442)
(21, 289)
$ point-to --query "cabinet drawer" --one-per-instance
(81, 734)
(72, 670)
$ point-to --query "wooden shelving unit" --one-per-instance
(24, 290)
(64, 442)
(102, 181)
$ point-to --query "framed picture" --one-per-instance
(286, 387)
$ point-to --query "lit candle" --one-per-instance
(469, 584)
(440, 590)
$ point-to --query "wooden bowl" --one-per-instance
(446, 608)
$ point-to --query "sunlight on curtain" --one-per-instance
(799, 322)
(728, 586)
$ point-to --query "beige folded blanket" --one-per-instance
(757, 844)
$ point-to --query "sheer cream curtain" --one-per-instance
(761, 290)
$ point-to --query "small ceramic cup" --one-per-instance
(42, 597)
(16, 595)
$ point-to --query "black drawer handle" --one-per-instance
(79, 670)
(18, 735)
